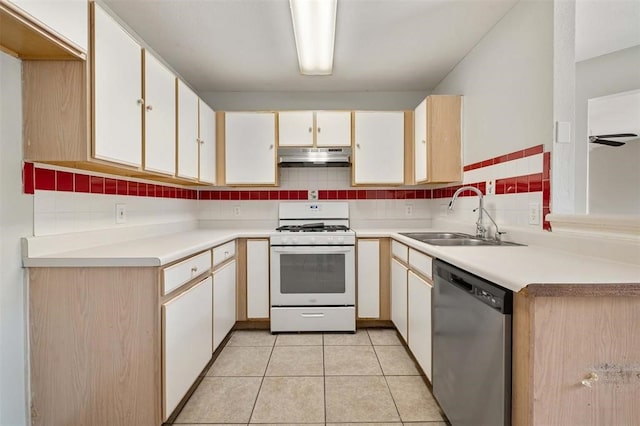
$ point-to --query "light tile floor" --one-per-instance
(366, 378)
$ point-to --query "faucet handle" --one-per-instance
(499, 235)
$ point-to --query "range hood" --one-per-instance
(314, 157)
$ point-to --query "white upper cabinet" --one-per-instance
(379, 148)
(250, 152)
(68, 18)
(118, 92)
(308, 128)
(333, 128)
(420, 142)
(188, 140)
(295, 128)
(160, 117)
(207, 143)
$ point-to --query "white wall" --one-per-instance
(604, 75)
(507, 83)
(261, 101)
(16, 221)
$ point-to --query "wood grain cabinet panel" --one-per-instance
(437, 139)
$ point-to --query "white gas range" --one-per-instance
(313, 268)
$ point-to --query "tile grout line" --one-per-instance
(395, 404)
(324, 382)
(255, 402)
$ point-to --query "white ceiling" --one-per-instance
(248, 45)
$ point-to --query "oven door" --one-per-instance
(312, 276)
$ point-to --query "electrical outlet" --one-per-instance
(408, 210)
(121, 213)
(236, 210)
(534, 214)
(490, 188)
(312, 194)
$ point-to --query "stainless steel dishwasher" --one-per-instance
(471, 348)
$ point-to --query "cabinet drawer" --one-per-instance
(400, 251)
(224, 252)
(180, 273)
(420, 262)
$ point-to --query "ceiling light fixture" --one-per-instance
(314, 28)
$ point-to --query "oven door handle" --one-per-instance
(312, 249)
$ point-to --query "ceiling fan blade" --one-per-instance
(605, 142)
(617, 135)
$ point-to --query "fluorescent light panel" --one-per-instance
(314, 28)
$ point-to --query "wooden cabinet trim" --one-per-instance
(27, 38)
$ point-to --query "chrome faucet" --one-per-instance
(481, 230)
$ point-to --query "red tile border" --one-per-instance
(45, 179)
(64, 181)
(28, 178)
(534, 150)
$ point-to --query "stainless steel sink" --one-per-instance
(420, 236)
(454, 239)
(468, 242)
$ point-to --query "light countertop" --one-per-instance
(513, 267)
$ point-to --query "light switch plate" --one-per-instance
(563, 132)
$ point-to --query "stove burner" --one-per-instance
(312, 227)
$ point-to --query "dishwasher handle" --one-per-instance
(461, 283)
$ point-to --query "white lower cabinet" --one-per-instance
(187, 341)
(224, 302)
(257, 279)
(399, 297)
(419, 308)
(368, 278)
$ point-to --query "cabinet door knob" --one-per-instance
(201, 141)
(310, 129)
(271, 146)
(226, 253)
(318, 129)
(140, 101)
(149, 107)
(358, 145)
(194, 269)
(423, 141)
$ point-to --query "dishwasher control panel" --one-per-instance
(490, 299)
